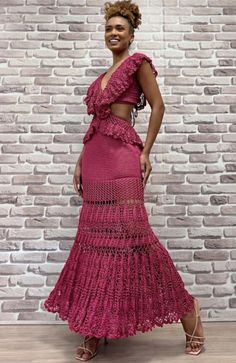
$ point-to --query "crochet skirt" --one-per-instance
(118, 278)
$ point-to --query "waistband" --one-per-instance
(115, 127)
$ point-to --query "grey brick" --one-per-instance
(211, 255)
(34, 316)
(196, 267)
(12, 293)
(12, 269)
(204, 232)
(181, 255)
(220, 243)
(58, 234)
(57, 256)
(26, 280)
(183, 189)
(215, 303)
(19, 234)
(169, 210)
(185, 244)
(232, 302)
(28, 257)
(20, 305)
(223, 291)
(46, 269)
(218, 199)
(28, 179)
(224, 266)
(50, 200)
(200, 210)
(44, 189)
(40, 246)
(9, 246)
(191, 199)
(208, 189)
(212, 279)
(41, 222)
(219, 221)
(230, 232)
(27, 211)
(184, 221)
(228, 178)
(202, 179)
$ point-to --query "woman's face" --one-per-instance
(117, 34)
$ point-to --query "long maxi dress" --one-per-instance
(118, 278)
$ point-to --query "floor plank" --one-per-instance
(57, 344)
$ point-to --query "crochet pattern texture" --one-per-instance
(118, 278)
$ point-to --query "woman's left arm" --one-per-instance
(152, 94)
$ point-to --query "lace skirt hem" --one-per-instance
(118, 279)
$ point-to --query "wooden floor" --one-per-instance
(57, 344)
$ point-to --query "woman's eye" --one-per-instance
(120, 29)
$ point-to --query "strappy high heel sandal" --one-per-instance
(192, 336)
(88, 350)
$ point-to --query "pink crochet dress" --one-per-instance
(118, 278)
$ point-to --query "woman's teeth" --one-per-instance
(114, 41)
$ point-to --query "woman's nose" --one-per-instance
(113, 32)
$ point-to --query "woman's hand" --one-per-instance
(77, 178)
(77, 181)
(146, 167)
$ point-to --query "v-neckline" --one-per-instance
(103, 74)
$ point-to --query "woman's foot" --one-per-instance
(192, 325)
(91, 344)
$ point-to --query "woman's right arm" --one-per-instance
(79, 161)
(77, 179)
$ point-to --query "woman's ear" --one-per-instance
(131, 40)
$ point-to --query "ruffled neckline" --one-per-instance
(98, 100)
(113, 74)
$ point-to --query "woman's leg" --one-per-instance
(188, 322)
(91, 344)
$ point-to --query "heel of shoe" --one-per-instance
(105, 340)
(198, 309)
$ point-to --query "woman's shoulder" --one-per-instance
(140, 55)
(137, 58)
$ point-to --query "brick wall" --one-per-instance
(50, 51)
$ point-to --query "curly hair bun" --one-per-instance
(124, 8)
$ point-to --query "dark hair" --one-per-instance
(126, 9)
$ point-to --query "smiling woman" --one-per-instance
(119, 278)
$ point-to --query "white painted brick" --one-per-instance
(20, 305)
(224, 266)
(200, 210)
(230, 232)
(223, 291)
(191, 199)
(213, 279)
(51, 52)
(204, 232)
(181, 255)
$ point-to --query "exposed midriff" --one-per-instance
(122, 110)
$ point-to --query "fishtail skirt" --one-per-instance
(118, 279)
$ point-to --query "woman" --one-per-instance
(118, 278)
